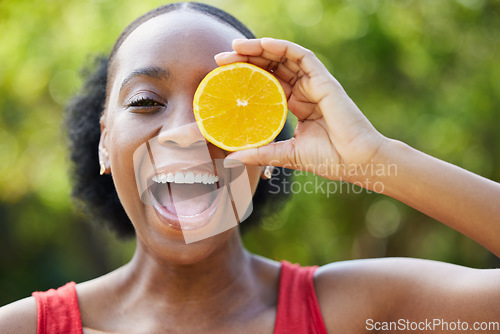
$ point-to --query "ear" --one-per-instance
(104, 164)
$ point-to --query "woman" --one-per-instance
(214, 285)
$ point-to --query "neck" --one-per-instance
(224, 273)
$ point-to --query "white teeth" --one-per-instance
(170, 177)
(198, 178)
(179, 177)
(188, 178)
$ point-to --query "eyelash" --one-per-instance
(144, 102)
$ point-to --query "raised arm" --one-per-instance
(335, 140)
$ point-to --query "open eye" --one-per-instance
(145, 102)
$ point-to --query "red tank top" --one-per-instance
(298, 310)
(58, 311)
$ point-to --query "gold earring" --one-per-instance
(103, 167)
(268, 172)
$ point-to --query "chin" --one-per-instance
(172, 248)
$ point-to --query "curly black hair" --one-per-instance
(96, 194)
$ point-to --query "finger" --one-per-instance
(275, 58)
(255, 54)
(287, 75)
(226, 58)
(286, 88)
(279, 154)
(253, 48)
(249, 47)
(290, 54)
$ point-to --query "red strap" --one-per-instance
(58, 311)
(298, 308)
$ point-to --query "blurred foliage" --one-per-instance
(425, 72)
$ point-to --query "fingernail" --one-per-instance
(239, 39)
(231, 163)
(221, 54)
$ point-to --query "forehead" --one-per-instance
(178, 38)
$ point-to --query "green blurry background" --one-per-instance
(425, 72)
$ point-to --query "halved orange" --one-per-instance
(240, 106)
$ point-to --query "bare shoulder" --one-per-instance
(349, 292)
(19, 317)
(390, 289)
(395, 274)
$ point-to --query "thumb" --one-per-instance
(279, 154)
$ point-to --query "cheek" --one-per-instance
(122, 146)
(127, 133)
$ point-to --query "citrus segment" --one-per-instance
(240, 106)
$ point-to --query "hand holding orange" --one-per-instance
(331, 131)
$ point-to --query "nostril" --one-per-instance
(201, 142)
(167, 142)
(171, 143)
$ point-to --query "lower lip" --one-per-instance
(186, 223)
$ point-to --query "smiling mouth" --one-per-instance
(185, 200)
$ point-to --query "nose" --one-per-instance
(181, 129)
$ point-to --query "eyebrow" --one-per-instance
(149, 71)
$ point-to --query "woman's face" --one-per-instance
(149, 132)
